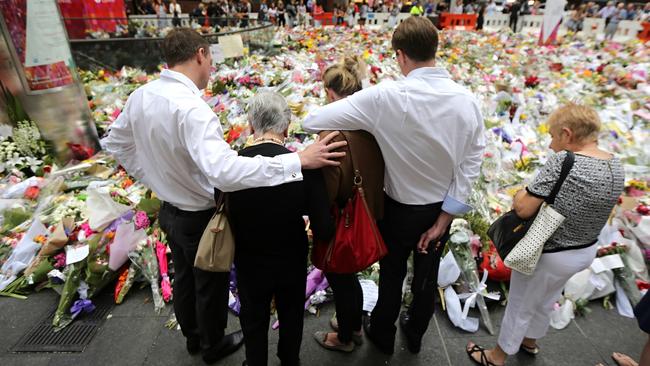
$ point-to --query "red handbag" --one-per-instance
(357, 243)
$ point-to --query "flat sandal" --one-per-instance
(533, 351)
(484, 359)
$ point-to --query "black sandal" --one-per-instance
(484, 360)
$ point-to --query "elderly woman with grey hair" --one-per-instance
(271, 241)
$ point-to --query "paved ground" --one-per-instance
(134, 335)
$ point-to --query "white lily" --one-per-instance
(15, 161)
(33, 163)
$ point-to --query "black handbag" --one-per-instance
(509, 229)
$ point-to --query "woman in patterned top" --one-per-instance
(586, 199)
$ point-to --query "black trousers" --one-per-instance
(259, 280)
(200, 297)
(401, 229)
(513, 23)
(348, 298)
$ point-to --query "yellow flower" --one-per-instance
(543, 129)
(638, 184)
(522, 164)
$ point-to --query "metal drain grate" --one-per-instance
(73, 338)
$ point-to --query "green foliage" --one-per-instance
(581, 307)
(14, 108)
(150, 206)
(14, 217)
(479, 226)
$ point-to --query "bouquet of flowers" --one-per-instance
(92, 271)
(165, 284)
(624, 274)
(25, 151)
(459, 245)
(125, 281)
(145, 259)
(44, 262)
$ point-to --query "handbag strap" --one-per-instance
(221, 201)
(567, 164)
(358, 178)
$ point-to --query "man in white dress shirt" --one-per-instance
(169, 139)
(430, 132)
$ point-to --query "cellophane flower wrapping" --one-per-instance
(125, 282)
(98, 273)
(22, 255)
(127, 236)
(73, 274)
(144, 257)
(165, 284)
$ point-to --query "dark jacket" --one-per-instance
(267, 222)
(339, 180)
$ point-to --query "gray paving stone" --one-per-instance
(18, 316)
(120, 341)
(134, 335)
(24, 360)
(138, 303)
(566, 348)
(610, 332)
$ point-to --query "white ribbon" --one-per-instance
(449, 272)
(470, 297)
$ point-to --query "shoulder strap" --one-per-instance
(567, 164)
(358, 178)
(221, 200)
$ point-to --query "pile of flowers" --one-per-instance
(90, 226)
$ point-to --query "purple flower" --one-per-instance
(141, 220)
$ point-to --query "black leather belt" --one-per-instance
(173, 210)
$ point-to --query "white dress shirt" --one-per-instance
(430, 132)
(168, 138)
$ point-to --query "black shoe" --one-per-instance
(384, 347)
(193, 345)
(228, 345)
(245, 363)
(413, 342)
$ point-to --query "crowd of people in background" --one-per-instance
(295, 13)
(219, 13)
(611, 12)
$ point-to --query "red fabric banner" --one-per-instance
(96, 12)
(76, 28)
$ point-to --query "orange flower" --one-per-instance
(587, 73)
(126, 183)
(40, 239)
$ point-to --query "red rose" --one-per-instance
(643, 210)
(32, 192)
(532, 81)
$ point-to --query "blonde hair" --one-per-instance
(583, 121)
(345, 78)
